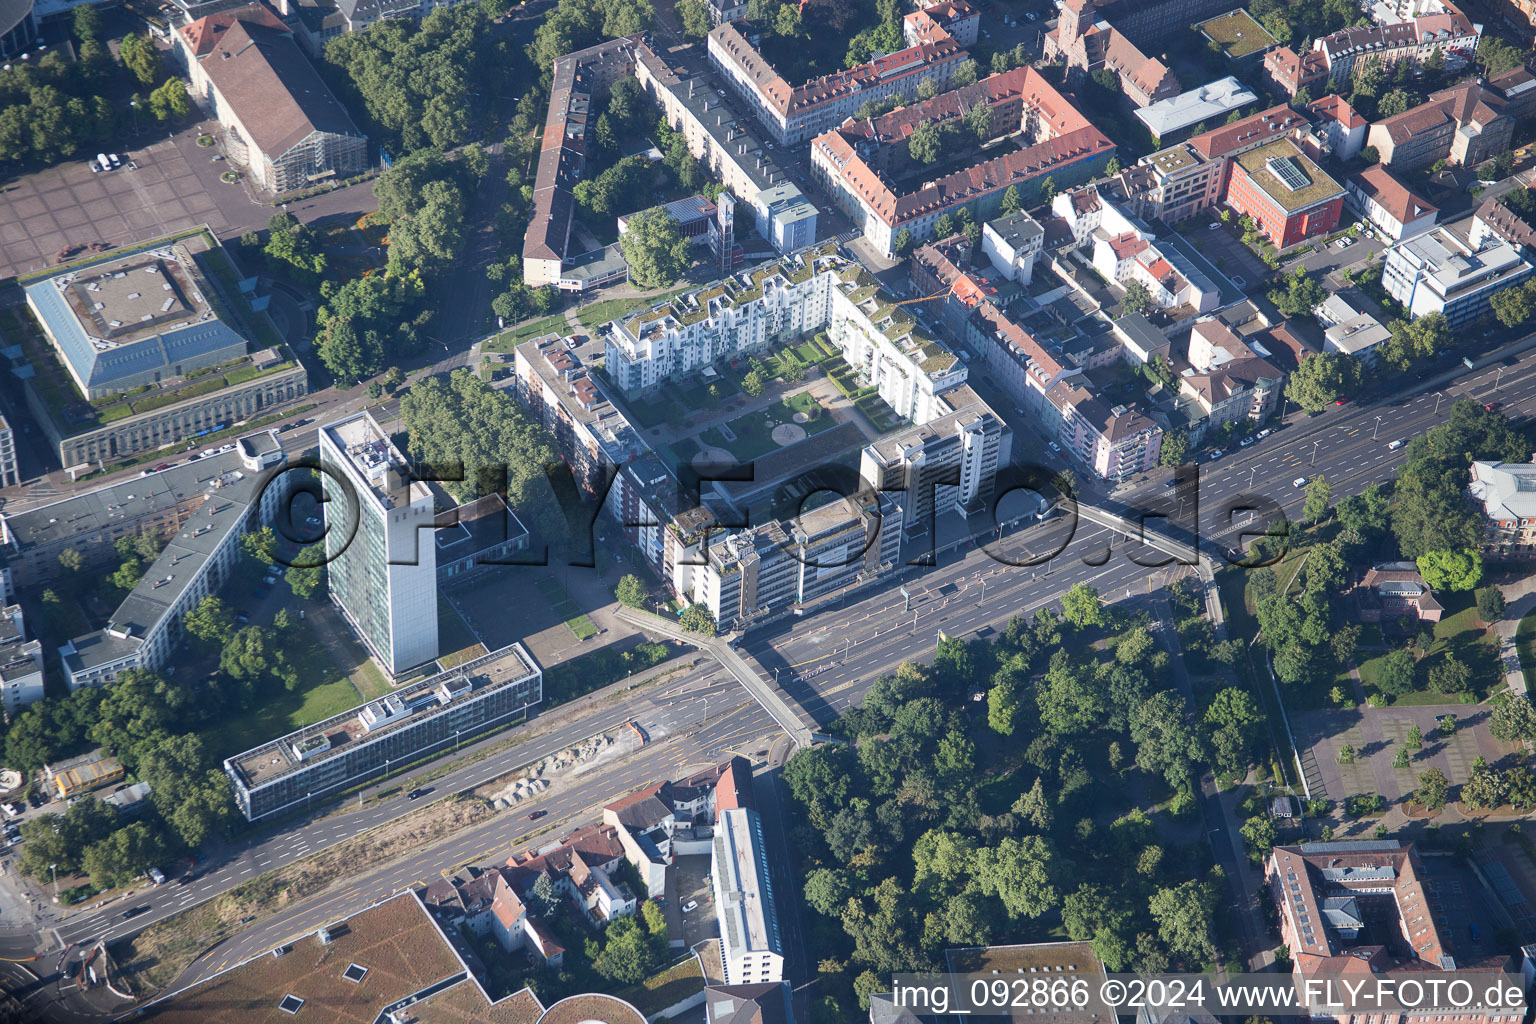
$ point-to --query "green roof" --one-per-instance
(1237, 34)
(1318, 185)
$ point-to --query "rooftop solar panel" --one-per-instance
(1288, 170)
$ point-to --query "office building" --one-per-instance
(731, 149)
(1506, 492)
(1370, 906)
(382, 563)
(750, 944)
(280, 119)
(947, 464)
(1176, 115)
(135, 336)
(1288, 196)
(413, 722)
(1440, 271)
(1392, 207)
(794, 114)
(1463, 125)
(21, 663)
(867, 169)
(477, 536)
(1237, 36)
(238, 495)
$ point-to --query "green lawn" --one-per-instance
(509, 340)
(1525, 643)
(611, 309)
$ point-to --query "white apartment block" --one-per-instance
(793, 563)
(947, 464)
(750, 944)
(1439, 271)
(382, 568)
(1124, 250)
(194, 563)
(1012, 244)
(808, 291)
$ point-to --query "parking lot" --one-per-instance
(689, 884)
(1227, 252)
(174, 185)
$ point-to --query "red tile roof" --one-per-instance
(1337, 108)
(1255, 130)
(1401, 203)
(202, 34)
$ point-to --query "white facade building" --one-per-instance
(750, 944)
(805, 292)
(382, 567)
(21, 663)
(1012, 244)
(1441, 272)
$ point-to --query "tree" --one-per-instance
(307, 573)
(543, 899)
(1483, 788)
(1394, 102)
(260, 545)
(927, 89)
(244, 655)
(631, 591)
(627, 957)
(1395, 674)
(1432, 790)
(1448, 725)
(1300, 296)
(1451, 675)
(697, 619)
(1112, 166)
(1512, 719)
(826, 891)
(1322, 378)
(141, 58)
(1515, 305)
(210, 620)
(655, 249)
(1012, 204)
(1137, 299)
(1183, 915)
(1318, 492)
(694, 16)
(1451, 570)
(1019, 873)
(752, 384)
(86, 23)
(1082, 607)
(1496, 56)
(978, 118)
(943, 226)
(1164, 741)
(926, 143)
(1175, 448)
(1415, 738)
(964, 74)
(902, 246)
(1259, 835)
(1048, 189)
(71, 560)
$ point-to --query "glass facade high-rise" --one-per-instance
(382, 564)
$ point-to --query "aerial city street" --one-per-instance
(767, 511)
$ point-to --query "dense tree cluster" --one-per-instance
(52, 109)
(291, 249)
(921, 836)
(576, 24)
(363, 324)
(1431, 510)
(463, 425)
(414, 79)
(1322, 378)
(655, 249)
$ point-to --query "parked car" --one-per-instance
(690, 906)
(156, 876)
(11, 810)
(1245, 442)
(1492, 406)
(1054, 447)
(1213, 226)
(1341, 401)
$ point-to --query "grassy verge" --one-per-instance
(509, 340)
(603, 667)
(162, 951)
(1525, 644)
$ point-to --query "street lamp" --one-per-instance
(456, 734)
(1314, 453)
(1438, 396)
(1377, 430)
(54, 868)
(1498, 378)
